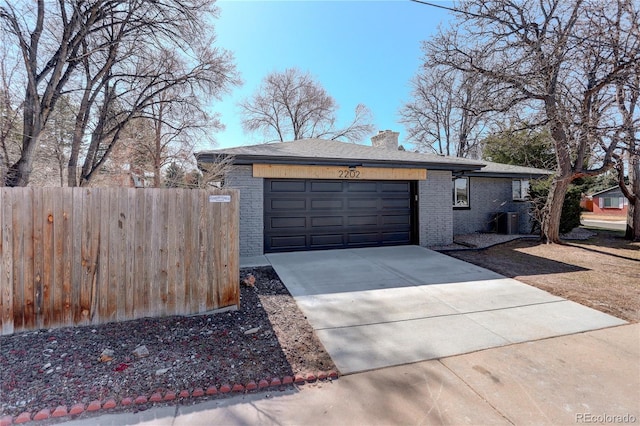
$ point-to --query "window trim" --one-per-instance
(468, 187)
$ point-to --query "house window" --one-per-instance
(520, 189)
(461, 192)
(612, 202)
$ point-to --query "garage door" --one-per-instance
(326, 214)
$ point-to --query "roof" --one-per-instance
(508, 170)
(612, 189)
(328, 152)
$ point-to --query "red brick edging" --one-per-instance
(79, 408)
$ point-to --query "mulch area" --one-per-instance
(268, 337)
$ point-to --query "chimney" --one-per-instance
(385, 139)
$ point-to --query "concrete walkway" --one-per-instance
(591, 377)
(387, 306)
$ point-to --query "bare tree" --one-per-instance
(49, 59)
(291, 105)
(554, 58)
(628, 97)
(116, 56)
(176, 122)
(10, 111)
(445, 113)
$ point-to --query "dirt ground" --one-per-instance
(602, 272)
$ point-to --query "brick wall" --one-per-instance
(435, 210)
(251, 209)
(488, 196)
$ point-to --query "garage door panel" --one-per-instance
(336, 214)
(363, 238)
(362, 187)
(363, 203)
(396, 237)
(287, 222)
(326, 186)
(288, 204)
(291, 242)
(371, 220)
(395, 187)
(330, 204)
(396, 203)
(324, 221)
(287, 186)
(401, 219)
(329, 240)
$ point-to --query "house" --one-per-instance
(610, 201)
(319, 194)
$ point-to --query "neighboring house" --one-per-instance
(319, 194)
(607, 202)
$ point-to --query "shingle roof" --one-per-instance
(612, 189)
(319, 151)
(508, 169)
(310, 151)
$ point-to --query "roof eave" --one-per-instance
(508, 174)
(242, 159)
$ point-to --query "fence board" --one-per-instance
(192, 255)
(139, 267)
(85, 256)
(28, 320)
(6, 271)
(163, 259)
(130, 229)
(67, 254)
(172, 247)
(56, 284)
(77, 256)
(18, 256)
(38, 255)
(48, 251)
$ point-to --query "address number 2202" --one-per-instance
(349, 174)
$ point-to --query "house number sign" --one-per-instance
(349, 174)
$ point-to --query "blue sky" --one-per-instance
(359, 51)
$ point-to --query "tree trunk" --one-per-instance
(20, 172)
(553, 209)
(157, 152)
(633, 213)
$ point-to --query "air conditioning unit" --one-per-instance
(507, 223)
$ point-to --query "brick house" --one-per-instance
(318, 194)
(610, 202)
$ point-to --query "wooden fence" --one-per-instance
(72, 256)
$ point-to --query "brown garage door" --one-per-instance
(325, 214)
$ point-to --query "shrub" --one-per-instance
(539, 191)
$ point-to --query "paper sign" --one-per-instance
(219, 198)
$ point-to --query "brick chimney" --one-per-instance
(385, 139)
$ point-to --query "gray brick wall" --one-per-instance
(251, 209)
(488, 196)
(435, 210)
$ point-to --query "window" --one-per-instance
(461, 192)
(520, 189)
(612, 202)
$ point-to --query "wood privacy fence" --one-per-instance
(72, 256)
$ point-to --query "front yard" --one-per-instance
(602, 272)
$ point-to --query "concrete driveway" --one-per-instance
(385, 306)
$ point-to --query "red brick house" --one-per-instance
(607, 202)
